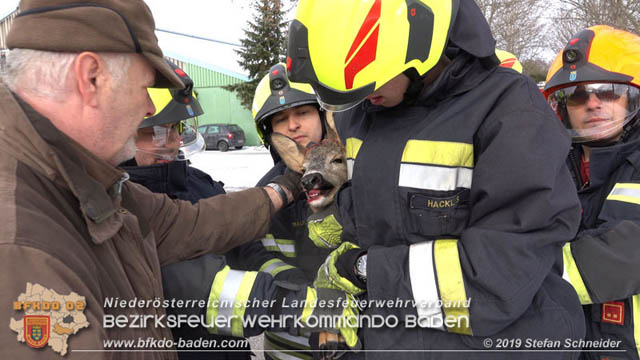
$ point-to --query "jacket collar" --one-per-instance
(34, 140)
(605, 160)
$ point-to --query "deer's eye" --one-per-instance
(336, 161)
(303, 170)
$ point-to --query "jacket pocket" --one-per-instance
(437, 213)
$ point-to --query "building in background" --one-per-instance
(219, 105)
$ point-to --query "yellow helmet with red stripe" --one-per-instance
(508, 60)
(347, 49)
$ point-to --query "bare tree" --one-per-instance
(574, 15)
(518, 25)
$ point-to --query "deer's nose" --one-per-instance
(310, 181)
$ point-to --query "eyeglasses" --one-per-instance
(178, 127)
(579, 95)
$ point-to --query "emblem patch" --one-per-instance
(36, 330)
(613, 312)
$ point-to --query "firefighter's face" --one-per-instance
(157, 144)
(301, 123)
(392, 93)
(598, 116)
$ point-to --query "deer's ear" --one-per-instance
(332, 133)
(289, 150)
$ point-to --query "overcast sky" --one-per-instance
(215, 19)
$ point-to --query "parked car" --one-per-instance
(222, 136)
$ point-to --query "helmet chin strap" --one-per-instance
(416, 85)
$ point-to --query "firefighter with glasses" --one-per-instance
(594, 87)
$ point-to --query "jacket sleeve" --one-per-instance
(602, 263)
(230, 301)
(183, 230)
(23, 268)
(522, 208)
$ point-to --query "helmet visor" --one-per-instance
(339, 107)
(594, 112)
(162, 143)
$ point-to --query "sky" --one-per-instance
(214, 19)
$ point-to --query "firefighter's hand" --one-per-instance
(343, 314)
(324, 227)
(338, 270)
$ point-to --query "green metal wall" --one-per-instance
(219, 105)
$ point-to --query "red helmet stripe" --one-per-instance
(367, 52)
(508, 63)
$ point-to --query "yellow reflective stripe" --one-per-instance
(285, 241)
(308, 304)
(214, 296)
(352, 147)
(636, 321)
(239, 305)
(625, 192)
(451, 284)
(275, 266)
(444, 153)
(573, 275)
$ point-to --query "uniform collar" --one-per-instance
(605, 160)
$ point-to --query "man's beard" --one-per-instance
(128, 152)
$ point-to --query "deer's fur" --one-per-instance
(323, 166)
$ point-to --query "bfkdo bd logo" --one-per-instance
(36, 330)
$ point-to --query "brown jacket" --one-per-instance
(72, 223)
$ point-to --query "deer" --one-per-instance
(324, 170)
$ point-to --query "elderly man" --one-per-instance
(79, 242)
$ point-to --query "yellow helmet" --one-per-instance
(276, 93)
(347, 49)
(602, 61)
(508, 60)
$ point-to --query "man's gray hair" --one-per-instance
(44, 73)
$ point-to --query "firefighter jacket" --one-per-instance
(463, 201)
(180, 181)
(72, 223)
(602, 262)
(288, 255)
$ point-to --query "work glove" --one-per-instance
(290, 180)
(338, 270)
(327, 346)
(342, 310)
(325, 228)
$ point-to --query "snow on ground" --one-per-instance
(237, 169)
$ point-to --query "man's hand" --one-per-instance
(290, 183)
(338, 270)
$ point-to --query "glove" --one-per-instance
(327, 346)
(337, 305)
(290, 180)
(338, 270)
(324, 227)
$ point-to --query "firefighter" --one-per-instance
(594, 87)
(286, 253)
(461, 198)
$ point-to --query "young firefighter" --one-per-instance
(460, 197)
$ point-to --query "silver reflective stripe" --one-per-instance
(274, 353)
(634, 193)
(437, 178)
(269, 269)
(284, 248)
(299, 340)
(565, 274)
(227, 298)
(423, 283)
(350, 164)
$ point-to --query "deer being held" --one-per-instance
(324, 170)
